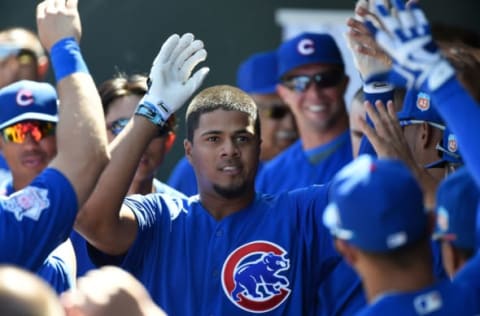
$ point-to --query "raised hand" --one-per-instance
(171, 81)
(404, 33)
(369, 58)
(56, 20)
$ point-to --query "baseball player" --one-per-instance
(456, 212)
(228, 250)
(39, 217)
(419, 63)
(312, 84)
(388, 242)
(257, 76)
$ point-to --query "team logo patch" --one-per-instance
(423, 101)
(24, 97)
(29, 202)
(452, 143)
(252, 276)
(306, 47)
(428, 303)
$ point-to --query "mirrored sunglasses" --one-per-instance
(276, 111)
(17, 133)
(301, 83)
(118, 125)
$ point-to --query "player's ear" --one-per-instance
(42, 67)
(348, 252)
(187, 145)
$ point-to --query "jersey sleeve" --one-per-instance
(339, 290)
(56, 273)
(37, 219)
(183, 178)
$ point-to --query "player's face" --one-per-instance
(123, 109)
(357, 110)
(278, 125)
(28, 158)
(319, 106)
(224, 153)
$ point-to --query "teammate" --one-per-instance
(21, 57)
(257, 76)
(39, 217)
(120, 96)
(437, 76)
(22, 293)
(219, 252)
(313, 84)
(109, 291)
(388, 242)
(456, 212)
(27, 122)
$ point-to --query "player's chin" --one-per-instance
(231, 190)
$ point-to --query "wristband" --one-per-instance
(66, 58)
(151, 112)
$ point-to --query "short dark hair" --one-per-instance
(122, 85)
(222, 97)
(407, 255)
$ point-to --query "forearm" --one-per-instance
(100, 220)
(81, 136)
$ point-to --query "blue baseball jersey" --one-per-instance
(80, 245)
(295, 168)
(441, 299)
(469, 274)
(57, 273)
(273, 257)
(34, 221)
(183, 178)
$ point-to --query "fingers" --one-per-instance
(188, 53)
(184, 42)
(71, 4)
(167, 49)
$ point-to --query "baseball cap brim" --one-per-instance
(30, 116)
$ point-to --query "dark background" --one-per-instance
(122, 35)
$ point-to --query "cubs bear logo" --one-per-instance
(423, 101)
(251, 276)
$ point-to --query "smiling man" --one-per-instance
(312, 83)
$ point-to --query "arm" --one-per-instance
(81, 114)
(103, 221)
(418, 62)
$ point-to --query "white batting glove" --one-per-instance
(370, 67)
(170, 80)
(407, 38)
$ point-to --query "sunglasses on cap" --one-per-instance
(17, 133)
(326, 79)
(118, 125)
(275, 111)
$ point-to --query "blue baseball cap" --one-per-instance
(27, 100)
(376, 205)
(258, 74)
(307, 48)
(456, 209)
(417, 106)
(449, 151)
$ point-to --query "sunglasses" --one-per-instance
(118, 125)
(276, 111)
(326, 79)
(17, 133)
